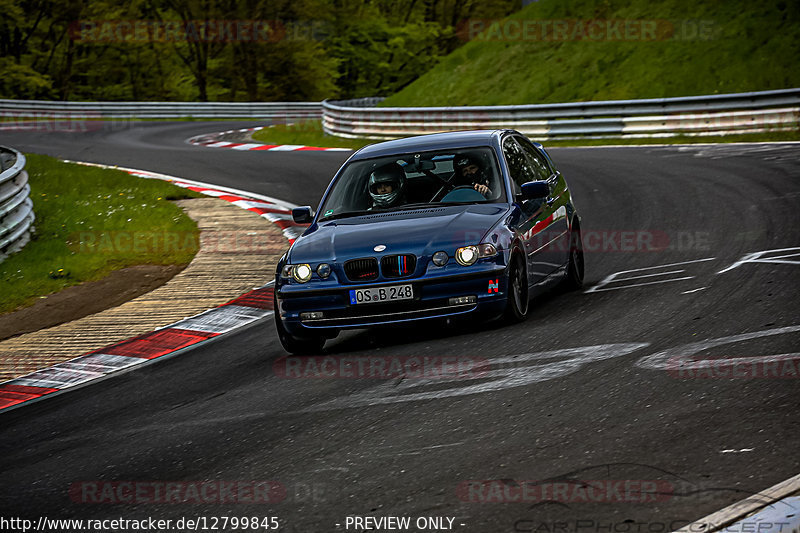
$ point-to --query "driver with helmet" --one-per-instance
(387, 186)
(470, 171)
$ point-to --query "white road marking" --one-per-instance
(506, 372)
(743, 450)
(694, 290)
(595, 289)
(651, 275)
(615, 277)
(758, 257)
(681, 356)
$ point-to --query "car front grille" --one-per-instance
(361, 269)
(397, 266)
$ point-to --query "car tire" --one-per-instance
(517, 299)
(575, 265)
(295, 345)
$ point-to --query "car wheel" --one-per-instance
(575, 268)
(296, 345)
(517, 301)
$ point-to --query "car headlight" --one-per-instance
(301, 273)
(324, 270)
(440, 259)
(486, 250)
(468, 255)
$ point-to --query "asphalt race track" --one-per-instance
(581, 391)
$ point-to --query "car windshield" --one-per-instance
(407, 181)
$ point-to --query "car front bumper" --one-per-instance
(432, 299)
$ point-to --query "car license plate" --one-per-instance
(381, 294)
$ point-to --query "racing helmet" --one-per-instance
(391, 174)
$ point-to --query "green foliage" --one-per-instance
(21, 81)
(712, 46)
(314, 49)
(86, 220)
(380, 58)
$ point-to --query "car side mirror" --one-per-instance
(535, 189)
(302, 215)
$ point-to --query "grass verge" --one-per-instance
(90, 222)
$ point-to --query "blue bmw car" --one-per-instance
(471, 223)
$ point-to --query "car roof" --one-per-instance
(434, 141)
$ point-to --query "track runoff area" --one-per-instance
(662, 393)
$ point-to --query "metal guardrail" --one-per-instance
(720, 114)
(16, 208)
(31, 110)
(655, 117)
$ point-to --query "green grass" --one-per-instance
(308, 133)
(90, 222)
(704, 47)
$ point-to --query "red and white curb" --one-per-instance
(276, 211)
(140, 350)
(211, 140)
(169, 340)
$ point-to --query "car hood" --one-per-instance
(420, 232)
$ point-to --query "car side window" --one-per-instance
(522, 172)
(518, 165)
(536, 160)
